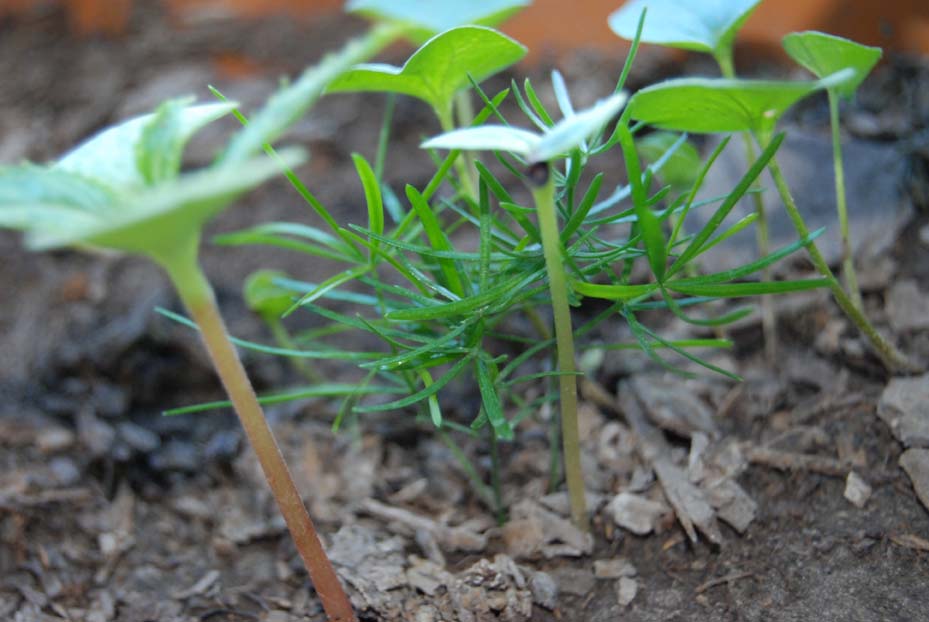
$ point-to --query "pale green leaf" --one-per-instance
(151, 221)
(706, 105)
(701, 25)
(110, 156)
(265, 296)
(438, 69)
(678, 168)
(824, 54)
(438, 16)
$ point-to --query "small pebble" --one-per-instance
(137, 437)
(544, 590)
(636, 513)
(54, 439)
(64, 472)
(613, 568)
(626, 589)
(857, 490)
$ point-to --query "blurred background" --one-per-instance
(900, 25)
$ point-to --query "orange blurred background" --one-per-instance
(901, 25)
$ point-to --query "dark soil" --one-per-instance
(109, 511)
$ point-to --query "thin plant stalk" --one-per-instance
(848, 258)
(495, 483)
(544, 197)
(198, 298)
(768, 319)
(892, 358)
(462, 167)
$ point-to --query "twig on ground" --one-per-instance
(729, 578)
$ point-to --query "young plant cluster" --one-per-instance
(446, 312)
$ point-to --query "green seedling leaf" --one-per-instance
(824, 54)
(438, 69)
(264, 296)
(490, 398)
(372, 190)
(35, 197)
(703, 26)
(151, 221)
(613, 292)
(314, 392)
(115, 192)
(126, 155)
(707, 105)
(674, 158)
(739, 290)
(565, 135)
(438, 16)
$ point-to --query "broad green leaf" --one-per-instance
(701, 25)
(151, 221)
(433, 17)
(112, 156)
(438, 69)
(675, 159)
(824, 54)
(565, 135)
(31, 185)
(706, 105)
(264, 296)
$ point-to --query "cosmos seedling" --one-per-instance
(537, 149)
(392, 21)
(822, 55)
(706, 105)
(122, 190)
(710, 27)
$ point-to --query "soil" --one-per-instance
(111, 512)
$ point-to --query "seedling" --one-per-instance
(538, 150)
(122, 190)
(722, 105)
(708, 27)
(754, 107)
(478, 52)
(822, 55)
(392, 21)
(439, 325)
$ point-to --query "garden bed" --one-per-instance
(109, 511)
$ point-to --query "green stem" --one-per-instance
(292, 102)
(892, 358)
(198, 298)
(544, 196)
(848, 259)
(495, 477)
(462, 162)
(768, 319)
